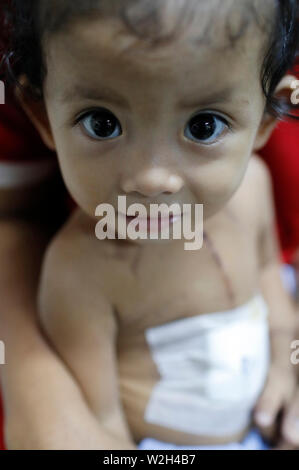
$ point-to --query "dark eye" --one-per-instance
(101, 125)
(205, 128)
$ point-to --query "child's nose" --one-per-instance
(152, 182)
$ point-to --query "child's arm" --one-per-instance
(280, 388)
(81, 325)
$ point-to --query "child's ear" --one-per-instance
(37, 113)
(284, 90)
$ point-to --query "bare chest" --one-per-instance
(162, 284)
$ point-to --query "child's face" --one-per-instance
(150, 154)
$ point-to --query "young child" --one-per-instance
(165, 102)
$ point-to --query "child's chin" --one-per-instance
(148, 240)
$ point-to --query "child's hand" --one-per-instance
(290, 424)
(277, 411)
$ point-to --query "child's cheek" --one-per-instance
(222, 167)
(89, 180)
(215, 183)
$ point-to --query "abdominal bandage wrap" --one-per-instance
(212, 369)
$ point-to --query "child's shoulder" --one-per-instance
(260, 186)
(258, 172)
(71, 239)
(73, 297)
(253, 200)
(74, 253)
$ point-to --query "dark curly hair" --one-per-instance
(26, 22)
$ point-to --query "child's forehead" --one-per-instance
(91, 64)
(158, 19)
(103, 49)
(104, 44)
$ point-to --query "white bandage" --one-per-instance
(213, 368)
